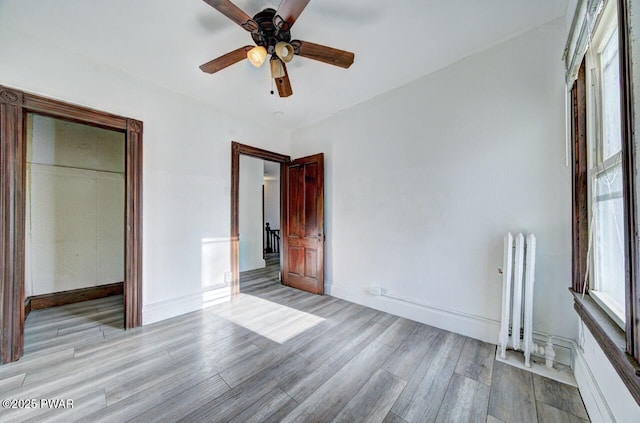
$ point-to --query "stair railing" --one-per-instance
(272, 240)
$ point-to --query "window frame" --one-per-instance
(621, 347)
(596, 163)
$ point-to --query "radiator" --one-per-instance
(517, 297)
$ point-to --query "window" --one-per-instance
(604, 144)
(606, 240)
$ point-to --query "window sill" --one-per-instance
(608, 306)
(611, 339)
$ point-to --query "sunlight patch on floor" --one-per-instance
(216, 296)
(271, 320)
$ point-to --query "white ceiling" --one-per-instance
(164, 41)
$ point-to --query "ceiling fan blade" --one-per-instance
(325, 54)
(226, 60)
(283, 84)
(288, 12)
(234, 13)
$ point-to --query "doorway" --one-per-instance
(15, 106)
(237, 150)
(74, 246)
(271, 213)
(259, 220)
(301, 218)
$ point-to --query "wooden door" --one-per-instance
(303, 224)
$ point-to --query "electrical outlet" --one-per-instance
(227, 278)
(375, 290)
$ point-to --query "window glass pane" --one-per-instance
(609, 234)
(611, 142)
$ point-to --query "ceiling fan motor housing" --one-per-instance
(268, 35)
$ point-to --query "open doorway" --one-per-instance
(74, 244)
(238, 152)
(301, 218)
(271, 214)
(15, 106)
(259, 221)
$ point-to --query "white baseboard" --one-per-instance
(594, 400)
(476, 327)
(162, 310)
(472, 326)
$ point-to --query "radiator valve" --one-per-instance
(549, 354)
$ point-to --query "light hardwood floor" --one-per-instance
(272, 354)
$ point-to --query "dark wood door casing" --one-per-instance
(14, 107)
(12, 228)
(303, 230)
(133, 225)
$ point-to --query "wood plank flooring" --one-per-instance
(273, 354)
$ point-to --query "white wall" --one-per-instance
(74, 206)
(186, 165)
(250, 213)
(423, 182)
(272, 202)
(606, 397)
(56, 142)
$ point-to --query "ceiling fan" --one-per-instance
(270, 30)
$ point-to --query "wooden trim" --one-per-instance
(628, 186)
(27, 307)
(235, 219)
(284, 190)
(133, 227)
(580, 212)
(72, 112)
(38, 302)
(236, 150)
(12, 229)
(14, 107)
(10, 96)
(612, 341)
(259, 153)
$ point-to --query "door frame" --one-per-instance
(14, 107)
(236, 150)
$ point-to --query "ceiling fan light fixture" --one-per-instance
(271, 32)
(257, 56)
(284, 51)
(277, 70)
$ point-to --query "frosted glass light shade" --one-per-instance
(257, 56)
(277, 70)
(284, 51)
